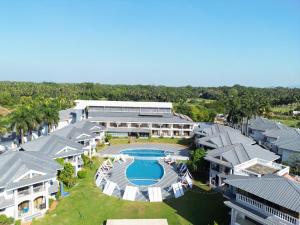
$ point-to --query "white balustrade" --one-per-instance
(266, 209)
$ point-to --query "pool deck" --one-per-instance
(180, 151)
(118, 176)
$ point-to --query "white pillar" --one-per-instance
(233, 217)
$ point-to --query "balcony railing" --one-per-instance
(266, 209)
(38, 189)
(23, 192)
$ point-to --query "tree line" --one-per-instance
(11, 92)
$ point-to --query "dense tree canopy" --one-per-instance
(11, 92)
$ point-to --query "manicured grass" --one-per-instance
(115, 141)
(87, 205)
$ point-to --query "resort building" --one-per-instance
(82, 136)
(96, 129)
(266, 200)
(56, 147)
(222, 139)
(127, 118)
(241, 159)
(259, 125)
(283, 140)
(27, 182)
(210, 129)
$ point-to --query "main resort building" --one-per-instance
(127, 118)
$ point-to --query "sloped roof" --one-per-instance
(273, 188)
(73, 133)
(239, 153)
(214, 129)
(292, 144)
(283, 132)
(262, 124)
(14, 164)
(89, 126)
(52, 145)
(224, 139)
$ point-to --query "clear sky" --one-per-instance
(168, 42)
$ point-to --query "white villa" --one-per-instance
(244, 160)
(127, 118)
(283, 140)
(85, 137)
(27, 182)
(266, 200)
(57, 147)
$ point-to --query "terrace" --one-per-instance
(259, 167)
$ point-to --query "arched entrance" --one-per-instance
(39, 203)
(23, 208)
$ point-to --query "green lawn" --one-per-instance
(87, 205)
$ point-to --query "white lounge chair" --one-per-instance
(100, 178)
(107, 163)
(130, 193)
(155, 194)
(109, 188)
(177, 189)
(187, 180)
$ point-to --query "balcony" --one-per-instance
(38, 189)
(23, 193)
(258, 167)
(267, 210)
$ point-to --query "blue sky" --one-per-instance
(167, 42)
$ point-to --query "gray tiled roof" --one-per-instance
(89, 126)
(224, 139)
(135, 117)
(262, 124)
(73, 133)
(213, 129)
(52, 145)
(14, 164)
(4, 203)
(276, 189)
(283, 132)
(239, 153)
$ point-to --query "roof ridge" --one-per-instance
(293, 184)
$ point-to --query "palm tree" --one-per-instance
(50, 115)
(19, 122)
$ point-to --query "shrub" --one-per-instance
(18, 222)
(4, 220)
(108, 137)
(81, 174)
(87, 162)
(196, 163)
(67, 175)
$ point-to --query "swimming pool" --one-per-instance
(146, 153)
(145, 169)
(144, 172)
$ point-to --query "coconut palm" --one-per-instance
(50, 113)
(19, 122)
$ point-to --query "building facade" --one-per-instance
(27, 182)
(145, 119)
(266, 200)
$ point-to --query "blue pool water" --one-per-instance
(145, 169)
(144, 172)
(146, 153)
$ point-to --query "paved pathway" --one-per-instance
(180, 151)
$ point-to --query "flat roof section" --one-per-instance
(261, 169)
(137, 222)
(82, 104)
